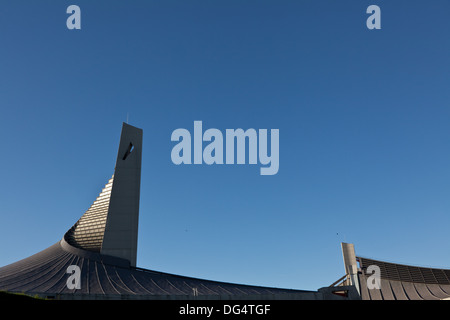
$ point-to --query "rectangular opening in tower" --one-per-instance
(129, 150)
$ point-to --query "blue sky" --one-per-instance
(363, 117)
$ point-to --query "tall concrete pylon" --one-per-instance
(110, 225)
(350, 264)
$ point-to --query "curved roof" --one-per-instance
(404, 282)
(45, 273)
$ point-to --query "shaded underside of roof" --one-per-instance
(45, 273)
(404, 282)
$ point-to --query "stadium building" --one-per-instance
(96, 259)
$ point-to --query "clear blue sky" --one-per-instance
(363, 117)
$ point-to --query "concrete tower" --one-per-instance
(110, 225)
(350, 264)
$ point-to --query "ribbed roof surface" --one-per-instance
(401, 272)
(46, 273)
(404, 282)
